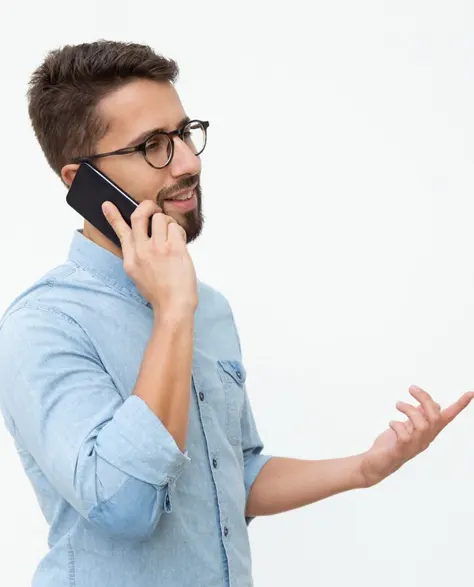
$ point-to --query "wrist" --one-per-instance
(370, 471)
(174, 316)
(360, 478)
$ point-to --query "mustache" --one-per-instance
(183, 184)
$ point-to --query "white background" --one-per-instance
(339, 195)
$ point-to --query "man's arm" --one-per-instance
(285, 484)
(162, 269)
(114, 459)
(164, 381)
(109, 456)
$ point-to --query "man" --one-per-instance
(122, 377)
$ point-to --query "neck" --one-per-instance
(98, 238)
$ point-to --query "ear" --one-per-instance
(68, 173)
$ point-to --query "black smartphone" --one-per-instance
(89, 190)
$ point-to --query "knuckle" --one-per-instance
(157, 217)
(145, 208)
(423, 427)
(163, 248)
(129, 265)
(137, 214)
(166, 248)
(119, 233)
(150, 207)
(146, 204)
(112, 220)
(178, 229)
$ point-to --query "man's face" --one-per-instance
(137, 110)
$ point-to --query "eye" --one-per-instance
(157, 142)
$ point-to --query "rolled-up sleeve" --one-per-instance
(110, 457)
(136, 442)
(252, 447)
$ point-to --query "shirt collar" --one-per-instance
(103, 265)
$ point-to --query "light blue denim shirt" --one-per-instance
(125, 506)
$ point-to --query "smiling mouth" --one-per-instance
(183, 195)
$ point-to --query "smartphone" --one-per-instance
(89, 190)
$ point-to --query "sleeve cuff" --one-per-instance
(253, 466)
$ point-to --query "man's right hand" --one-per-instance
(160, 265)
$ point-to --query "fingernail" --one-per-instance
(105, 207)
(415, 387)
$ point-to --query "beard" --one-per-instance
(193, 221)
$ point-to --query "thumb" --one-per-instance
(448, 415)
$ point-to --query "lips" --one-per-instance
(181, 197)
(181, 206)
(181, 194)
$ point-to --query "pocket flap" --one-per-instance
(235, 369)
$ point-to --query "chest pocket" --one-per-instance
(233, 376)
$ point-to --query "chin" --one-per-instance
(193, 225)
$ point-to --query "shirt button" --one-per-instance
(201, 396)
(214, 463)
(239, 374)
(226, 531)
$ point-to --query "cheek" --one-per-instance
(136, 178)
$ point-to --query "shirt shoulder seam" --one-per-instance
(46, 309)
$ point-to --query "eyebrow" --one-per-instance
(147, 133)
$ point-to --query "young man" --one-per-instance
(122, 377)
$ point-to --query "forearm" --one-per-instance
(286, 484)
(164, 380)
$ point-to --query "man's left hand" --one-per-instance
(405, 440)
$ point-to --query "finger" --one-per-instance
(455, 409)
(430, 408)
(140, 220)
(422, 412)
(420, 424)
(177, 234)
(400, 429)
(159, 230)
(116, 221)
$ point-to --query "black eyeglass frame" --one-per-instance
(141, 148)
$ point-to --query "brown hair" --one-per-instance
(65, 90)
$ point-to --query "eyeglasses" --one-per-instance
(158, 148)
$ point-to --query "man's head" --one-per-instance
(106, 96)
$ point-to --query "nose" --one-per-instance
(184, 161)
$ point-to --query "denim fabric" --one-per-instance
(125, 506)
